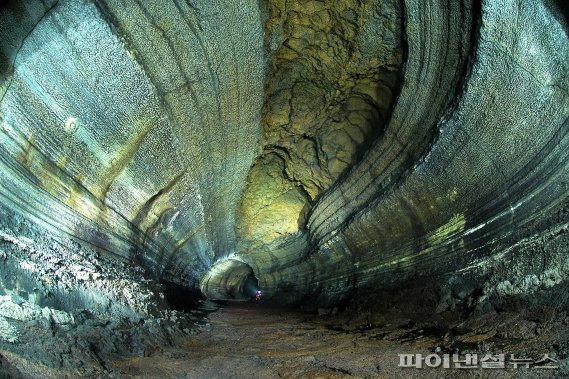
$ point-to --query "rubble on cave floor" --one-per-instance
(48, 343)
(363, 339)
(255, 341)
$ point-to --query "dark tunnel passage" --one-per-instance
(230, 279)
(392, 175)
(251, 286)
(182, 298)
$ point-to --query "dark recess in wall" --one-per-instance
(182, 298)
(250, 286)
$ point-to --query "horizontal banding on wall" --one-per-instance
(228, 279)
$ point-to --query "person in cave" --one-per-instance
(258, 295)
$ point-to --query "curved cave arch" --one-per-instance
(318, 151)
(230, 280)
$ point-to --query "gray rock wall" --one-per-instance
(132, 126)
(497, 163)
(324, 146)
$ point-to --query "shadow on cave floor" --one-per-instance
(256, 340)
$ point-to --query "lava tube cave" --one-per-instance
(273, 188)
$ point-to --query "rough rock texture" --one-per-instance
(362, 346)
(470, 165)
(466, 166)
(64, 314)
(79, 344)
(332, 78)
(135, 123)
(322, 148)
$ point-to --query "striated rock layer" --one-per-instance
(315, 147)
(132, 125)
(466, 167)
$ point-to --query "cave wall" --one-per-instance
(493, 170)
(321, 146)
(132, 126)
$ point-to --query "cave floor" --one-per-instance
(255, 341)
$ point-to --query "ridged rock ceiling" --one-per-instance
(321, 146)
